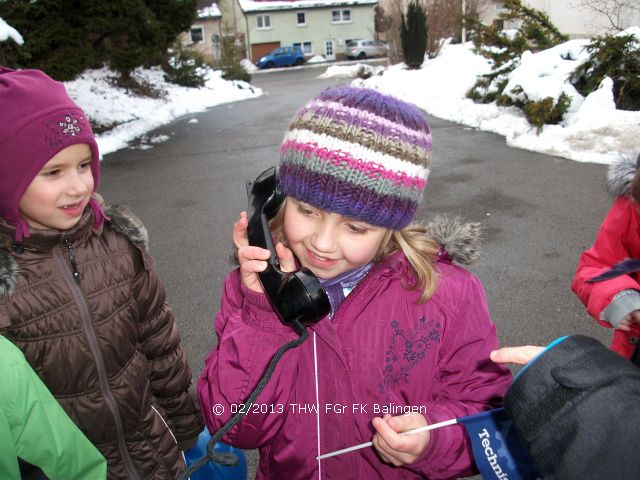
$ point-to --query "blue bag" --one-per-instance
(211, 470)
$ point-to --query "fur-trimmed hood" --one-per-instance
(121, 219)
(460, 239)
(124, 221)
(621, 173)
(8, 272)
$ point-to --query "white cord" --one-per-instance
(315, 367)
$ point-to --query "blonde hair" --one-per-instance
(420, 250)
(413, 240)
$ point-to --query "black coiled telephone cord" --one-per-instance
(229, 459)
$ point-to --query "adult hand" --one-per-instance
(520, 355)
(399, 449)
(254, 259)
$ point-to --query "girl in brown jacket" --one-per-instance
(79, 294)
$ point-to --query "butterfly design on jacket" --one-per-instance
(407, 348)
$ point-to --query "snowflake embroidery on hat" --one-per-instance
(63, 129)
(70, 126)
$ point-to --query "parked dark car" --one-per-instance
(282, 57)
(365, 48)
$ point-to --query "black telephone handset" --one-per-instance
(297, 297)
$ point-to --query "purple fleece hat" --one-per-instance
(37, 120)
(359, 153)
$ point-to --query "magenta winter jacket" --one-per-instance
(380, 351)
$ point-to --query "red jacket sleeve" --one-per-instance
(617, 239)
(249, 334)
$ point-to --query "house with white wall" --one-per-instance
(205, 34)
(571, 17)
(322, 27)
(318, 27)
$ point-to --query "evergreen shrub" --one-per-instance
(230, 61)
(413, 34)
(504, 49)
(186, 67)
(617, 57)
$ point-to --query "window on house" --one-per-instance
(340, 16)
(500, 7)
(304, 46)
(264, 21)
(499, 24)
(301, 19)
(196, 34)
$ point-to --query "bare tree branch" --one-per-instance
(617, 12)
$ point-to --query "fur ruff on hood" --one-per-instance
(121, 219)
(620, 175)
(460, 239)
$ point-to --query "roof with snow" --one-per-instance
(271, 5)
(210, 11)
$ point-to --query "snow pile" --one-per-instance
(132, 115)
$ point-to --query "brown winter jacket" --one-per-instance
(105, 343)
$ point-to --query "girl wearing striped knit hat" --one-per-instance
(408, 338)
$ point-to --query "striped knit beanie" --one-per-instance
(359, 153)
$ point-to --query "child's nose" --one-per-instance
(324, 240)
(78, 184)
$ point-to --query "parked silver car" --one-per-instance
(365, 48)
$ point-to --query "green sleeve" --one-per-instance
(8, 463)
(34, 427)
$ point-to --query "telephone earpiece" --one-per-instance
(294, 295)
(297, 297)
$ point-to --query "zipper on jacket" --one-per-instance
(165, 423)
(184, 458)
(72, 259)
(73, 281)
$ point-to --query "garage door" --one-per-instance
(261, 49)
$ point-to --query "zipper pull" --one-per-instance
(72, 258)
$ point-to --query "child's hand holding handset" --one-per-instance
(395, 448)
(254, 259)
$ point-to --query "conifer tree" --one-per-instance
(535, 32)
(65, 37)
(414, 35)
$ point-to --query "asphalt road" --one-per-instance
(538, 212)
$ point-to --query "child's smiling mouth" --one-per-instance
(319, 261)
(73, 209)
